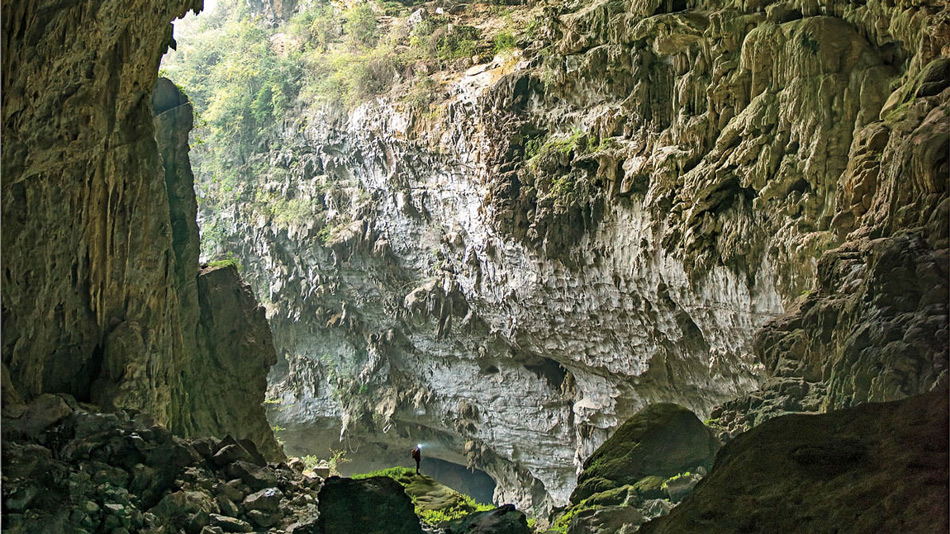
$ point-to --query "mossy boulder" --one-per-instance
(435, 503)
(650, 487)
(661, 440)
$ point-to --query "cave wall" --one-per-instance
(99, 241)
(723, 169)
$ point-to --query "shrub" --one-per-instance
(504, 41)
(360, 26)
(456, 41)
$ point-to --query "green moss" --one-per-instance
(230, 262)
(651, 487)
(564, 521)
(434, 502)
(504, 41)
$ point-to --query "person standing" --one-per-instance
(417, 456)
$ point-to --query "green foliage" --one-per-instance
(553, 146)
(337, 459)
(563, 188)
(310, 461)
(457, 41)
(504, 41)
(360, 26)
(230, 262)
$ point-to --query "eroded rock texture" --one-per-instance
(100, 245)
(880, 467)
(86, 236)
(68, 469)
(604, 225)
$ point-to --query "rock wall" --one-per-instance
(100, 244)
(604, 224)
(86, 237)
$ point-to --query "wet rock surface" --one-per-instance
(879, 467)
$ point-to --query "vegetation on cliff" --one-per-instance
(250, 76)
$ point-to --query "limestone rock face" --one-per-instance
(227, 379)
(604, 225)
(89, 277)
(879, 467)
(100, 243)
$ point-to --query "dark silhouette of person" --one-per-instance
(417, 456)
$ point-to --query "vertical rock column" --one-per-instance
(99, 240)
(89, 272)
(228, 340)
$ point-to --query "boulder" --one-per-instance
(605, 520)
(661, 440)
(264, 519)
(874, 468)
(678, 487)
(45, 411)
(230, 524)
(229, 454)
(502, 520)
(257, 478)
(266, 500)
(376, 505)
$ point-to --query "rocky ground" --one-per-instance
(71, 469)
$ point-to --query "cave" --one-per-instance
(255, 252)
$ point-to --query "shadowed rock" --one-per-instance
(376, 505)
(874, 468)
(661, 440)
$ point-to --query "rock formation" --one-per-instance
(879, 467)
(604, 223)
(376, 505)
(735, 203)
(70, 470)
(100, 243)
(661, 441)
